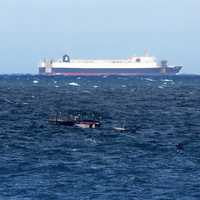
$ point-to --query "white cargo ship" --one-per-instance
(136, 65)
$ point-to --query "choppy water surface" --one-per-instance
(44, 161)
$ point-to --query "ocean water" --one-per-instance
(39, 160)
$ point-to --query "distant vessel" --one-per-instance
(142, 65)
(74, 121)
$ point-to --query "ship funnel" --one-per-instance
(164, 63)
(66, 58)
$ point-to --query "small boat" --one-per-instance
(74, 121)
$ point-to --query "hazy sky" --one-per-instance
(34, 29)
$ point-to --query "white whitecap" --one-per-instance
(86, 91)
(149, 79)
(74, 150)
(95, 86)
(160, 87)
(35, 81)
(167, 80)
(74, 84)
(123, 86)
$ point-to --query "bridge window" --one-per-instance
(138, 60)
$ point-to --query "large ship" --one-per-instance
(136, 65)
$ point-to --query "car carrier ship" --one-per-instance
(142, 65)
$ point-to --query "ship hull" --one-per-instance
(110, 71)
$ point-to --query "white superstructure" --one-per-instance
(133, 62)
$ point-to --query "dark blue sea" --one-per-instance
(157, 157)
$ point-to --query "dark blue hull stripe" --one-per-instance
(167, 70)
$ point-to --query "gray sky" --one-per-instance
(34, 29)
